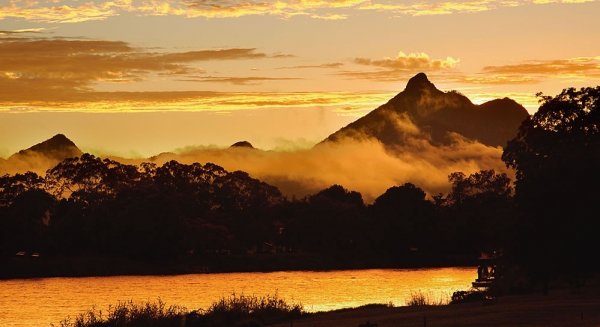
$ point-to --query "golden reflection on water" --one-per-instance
(40, 302)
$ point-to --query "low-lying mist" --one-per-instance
(362, 165)
(359, 163)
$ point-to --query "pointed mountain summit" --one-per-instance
(59, 147)
(419, 84)
(423, 111)
(242, 144)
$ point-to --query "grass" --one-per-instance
(236, 310)
(129, 314)
(419, 299)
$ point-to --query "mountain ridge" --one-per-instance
(437, 115)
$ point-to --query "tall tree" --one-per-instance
(556, 155)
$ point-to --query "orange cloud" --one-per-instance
(400, 67)
(328, 65)
(410, 62)
(249, 80)
(73, 11)
(535, 71)
(195, 101)
(432, 8)
(64, 12)
(21, 31)
(581, 66)
(58, 69)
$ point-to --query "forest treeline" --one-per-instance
(545, 223)
(90, 205)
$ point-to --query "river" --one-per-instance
(46, 301)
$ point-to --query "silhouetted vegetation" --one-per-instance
(204, 218)
(420, 299)
(237, 310)
(556, 155)
(209, 218)
(468, 296)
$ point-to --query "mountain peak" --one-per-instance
(242, 144)
(419, 82)
(57, 147)
(60, 139)
(437, 116)
(54, 143)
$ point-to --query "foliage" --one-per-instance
(195, 212)
(468, 296)
(130, 314)
(266, 310)
(420, 299)
(556, 155)
(237, 310)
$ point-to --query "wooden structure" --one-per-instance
(486, 270)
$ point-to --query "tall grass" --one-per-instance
(251, 310)
(419, 299)
(236, 310)
(130, 314)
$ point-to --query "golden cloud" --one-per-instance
(535, 71)
(400, 67)
(21, 31)
(248, 80)
(432, 8)
(195, 101)
(57, 69)
(410, 62)
(328, 65)
(73, 11)
(583, 66)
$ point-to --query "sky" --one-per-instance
(136, 78)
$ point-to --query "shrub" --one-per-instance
(131, 315)
(266, 310)
(419, 298)
(236, 310)
(468, 296)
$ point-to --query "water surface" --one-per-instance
(40, 302)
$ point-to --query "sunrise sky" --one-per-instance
(135, 78)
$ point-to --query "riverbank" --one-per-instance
(559, 308)
(18, 267)
(54, 299)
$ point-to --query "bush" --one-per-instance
(469, 296)
(418, 299)
(242, 311)
(266, 310)
(131, 315)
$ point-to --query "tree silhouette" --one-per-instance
(12, 186)
(478, 212)
(403, 220)
(556, 155)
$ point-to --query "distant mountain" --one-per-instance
(424, 110)
(41, 156)
(242, 144)
(59, 147)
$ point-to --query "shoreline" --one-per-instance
(98, 266)
(562, 307)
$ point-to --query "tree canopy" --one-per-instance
(556, 155)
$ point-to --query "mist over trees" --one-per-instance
(545, 223)
(92, 206)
